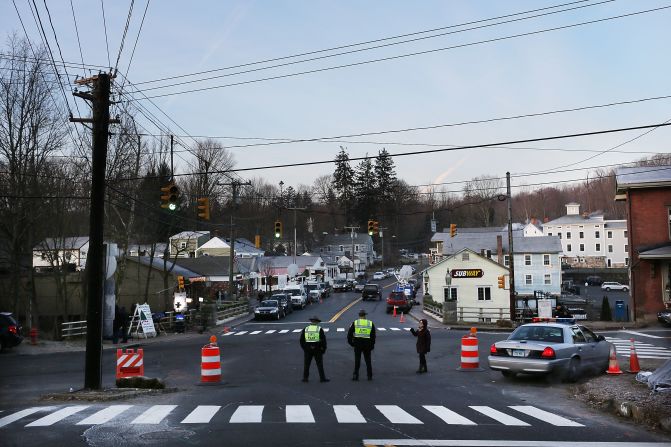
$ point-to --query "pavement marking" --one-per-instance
(202, 414)
(154, 415)
(283, 331)
(545, 416)
(406, 329)
(226, 334)
(21, 414)
(498, 416)
(396, 415)
(57, 416)
(104, 415)
(641, 334)
(381, 329)
(343, 310)
(395, 329)
(247, 414)
(272, 331)
(325, 329)
(498, 443)
(255, 332)
(299, 414)
(241, 333)
(348, 414)
(341, 329)
(297, 330)
(448, 416)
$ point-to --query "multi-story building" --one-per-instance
(357, 247)
(184, 244)
(67, 253)
(647, 192)
(588, 240)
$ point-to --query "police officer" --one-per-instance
(361, 336)
(313, 342)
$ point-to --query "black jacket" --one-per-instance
(363, 343)
(321, 345)
(423, 340)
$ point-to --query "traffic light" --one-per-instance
(371, 227)
(453, 230)
(376, 227)
(203, 208)
(502, 282)
(278, 229)
(169, 194)
(180, 283)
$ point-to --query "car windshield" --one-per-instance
(397, 295)
(369, 288)
(295, 292)
(538, 333)
(269, 303)
(278, 297)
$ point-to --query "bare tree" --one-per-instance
(481, 191)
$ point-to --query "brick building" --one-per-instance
(647, 192)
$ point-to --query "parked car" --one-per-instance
(314, 292)
(399, 299)
(389, 272)
(10, 331)
(608, 286)
(268, 309)
(414, 283)
(358, 287)
(285, 302)
(298, 296)
(341, 285)
(664, 317)
(371, 292)
(570, 350)
(377, 276)
(594, 280)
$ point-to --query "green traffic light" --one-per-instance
(172, 206)
(277, 235)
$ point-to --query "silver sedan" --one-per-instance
(543, 348)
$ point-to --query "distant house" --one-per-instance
(68, 252)
(647, 193)
(214, 247)
(184, 244)
(244, 248)
(145, 249)
(274, 271)
(358, 248)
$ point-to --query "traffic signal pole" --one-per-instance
(100, 120)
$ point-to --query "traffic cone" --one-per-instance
(402, 320)
(634, 367)
(226, 329)
(613, 367)
(394, 312)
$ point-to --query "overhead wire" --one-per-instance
(107, 44)
(79, 43)
(123, 37)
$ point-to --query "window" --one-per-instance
(609, 263)
(182, 244)
(581, 235)
(484, 294)
(321, 250)
(528, 280)
(578, 337)
(340, 248)
(609, 235)
(568, 247)
(549, 234)
(547, 279)
(546, 259)
(625, 233)
(527, 259)
(568, 235)
(465, 256)
(626, 261)
(506, 260)
(559, 234)
(43, 256)
(582, 247)
(626, 248)
(450, 293)
(597, 234)
(356, 248)
(328, 248)
(610, 249)
(598, 247)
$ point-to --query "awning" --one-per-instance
(657, 253)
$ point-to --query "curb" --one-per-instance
(104, 395)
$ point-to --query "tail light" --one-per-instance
(12, 329)
(548, 353)
(492, 350)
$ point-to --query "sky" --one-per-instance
(624, 59)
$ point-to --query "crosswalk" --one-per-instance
(90, 415)
(643, 350)
(296, 331)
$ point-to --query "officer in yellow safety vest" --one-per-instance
(313, 342)
(361, 336)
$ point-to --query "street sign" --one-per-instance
(466, 273)
(545, 308)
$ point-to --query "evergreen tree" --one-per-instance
(366, 191)
(385, 177)
(606, 314)
(343, 182)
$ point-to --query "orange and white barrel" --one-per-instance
(210, 364)
(470, 359)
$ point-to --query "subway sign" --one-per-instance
(466, 273)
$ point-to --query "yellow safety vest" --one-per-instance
(362, 328)
(312, 333)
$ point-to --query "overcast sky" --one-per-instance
(610, 61)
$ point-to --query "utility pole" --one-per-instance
(235, 184)
(352, 230)
(381, 233)
(511, 260)
(295, 239)
(100, 121)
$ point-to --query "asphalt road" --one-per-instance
(262, 400)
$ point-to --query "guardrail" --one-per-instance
(433, 309)
(232, 311)
(73, 328)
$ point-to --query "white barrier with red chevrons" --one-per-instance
(129, 363)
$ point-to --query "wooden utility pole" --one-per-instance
(352, 230)
(235, 184)
(511, 253)
(100, 121)
(294, 209)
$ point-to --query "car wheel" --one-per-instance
(388, 310)
(509, 374)
(607, 289)
(572, 370)
(625, 289)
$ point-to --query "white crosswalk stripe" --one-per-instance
(341, 329)
(381, 329)
(272, 331)
(643, 350)
(283, 331)
(300, 414)
(241, 333)
(228, 333)
(325, 329)
(297, 330)
(395, 329)
(255, 332)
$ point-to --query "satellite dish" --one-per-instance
(292, 270)
(405, 273)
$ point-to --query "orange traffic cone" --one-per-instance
(226, 329)
(634, 367)
(402, 320)
(613, 367)
(394, 312)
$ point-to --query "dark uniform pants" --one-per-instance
(308, 354)
(357, 361)
(422, 362)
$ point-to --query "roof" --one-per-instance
(595, 217)
(516, 227)
(212, 265)
(346, 239)
(244, 245)
(51, 243)
(487, 241)
(656, 253)
(454, 255)
(616, 224)
(190, 234)
(157, 263)
(642, 177)
(215, 242)
(484, 232)
(284, 261)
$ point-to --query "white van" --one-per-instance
(298, 296)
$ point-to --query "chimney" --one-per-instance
(534, 220)
(585, 215)
(499, 249)
(546, 219)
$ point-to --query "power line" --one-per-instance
(312, 59)
(354, 64)
(79, 43)
(125, 31)
(137, 38)
(102, 6)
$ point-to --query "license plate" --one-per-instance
(518, 352)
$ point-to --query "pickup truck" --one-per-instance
(400, 300)
(371, 292)
(298, 296)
